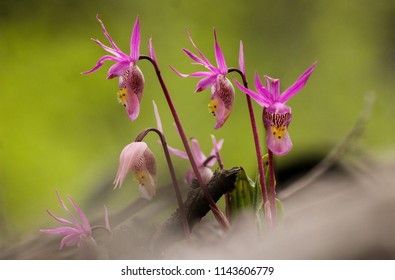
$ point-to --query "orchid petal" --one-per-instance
(258, 98)
(117, 69)
(157, 117)
(264, 92)
(194, 57)
(205, 83)
(179, 73)
(61, 220)
(61, 230)
(206, 61)
(100, 63)
(107, 35)
(85, 223)
(75, 222)
(178, 153)
(70, 240)
(219, 56)
(135, 42)
(106, 219)
(197, 152)
(151, 50)
(298, 85)
(117, 53)
(241, 59)
(281, 146)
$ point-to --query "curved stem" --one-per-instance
(217, 212)
(184, 220)
(258, 150)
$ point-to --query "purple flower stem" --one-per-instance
(258, 150)
(184, 220)
(214, 208)
(272, 186)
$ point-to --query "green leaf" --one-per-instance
(242, 195)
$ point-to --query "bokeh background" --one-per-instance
(60, 130)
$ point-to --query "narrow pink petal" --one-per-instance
(107, 35)
(106, 219)
(178, 153)
(61, 220)
(258, 98)
(275, 89)
(219, 56)
(197, 152)
(157, 117)
(151, 50)
(75, 222)
(117, 69)
(298, 85)
(205, 83)
(241, 59)
(61, 230)
(178, 73)
(100, 63)
(135, 42)
(117, 53)
(194, 57)
(206, 61)
(201, 74)
(264, 91)
(189, 176)
(85, 223)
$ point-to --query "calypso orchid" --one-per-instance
(222, 91)
(75, 233)
(131, 79)
(138, 159)
(276, 115)
(203, 163)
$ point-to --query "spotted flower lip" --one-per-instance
(222, 91)
(75, 233)
(276, 115)
(131, 79)
(138, 159)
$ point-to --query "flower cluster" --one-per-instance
(138, 159)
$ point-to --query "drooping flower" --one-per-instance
(203, 162)
(276, 115)
(131, 79)
(138, 159)
(222, 91)
(75, 233)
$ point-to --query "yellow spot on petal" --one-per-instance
(122, 95)
(213, 107)
(278, 131)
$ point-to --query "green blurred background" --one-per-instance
(60, 130)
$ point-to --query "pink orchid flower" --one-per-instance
(203, 162)
(222, 91)
(75, 233)
(138, 159)
(276, 115)
(131, 79)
